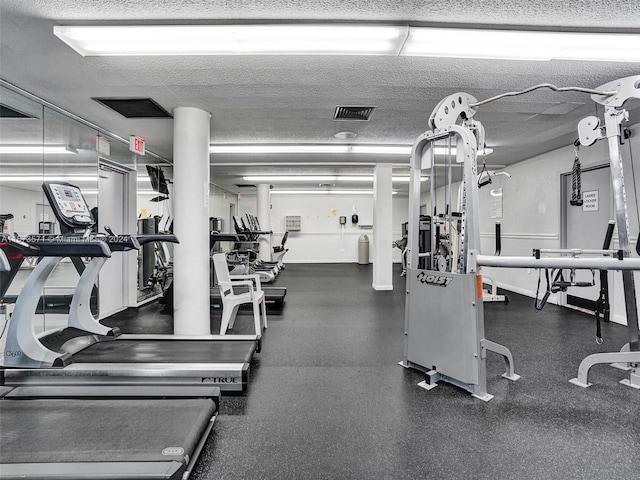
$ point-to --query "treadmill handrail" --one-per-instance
(160, 237)
(67, 246)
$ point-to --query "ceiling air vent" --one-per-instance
(134, 107)
(8, 112)
(353, 113)
(245, 186)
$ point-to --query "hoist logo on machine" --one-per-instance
(437, 280)
(13, 353)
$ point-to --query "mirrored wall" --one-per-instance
(41, 143)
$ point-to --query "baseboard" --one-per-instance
(382, 287)
(553, 299)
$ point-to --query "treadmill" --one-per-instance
(87, 352)
(79, 432)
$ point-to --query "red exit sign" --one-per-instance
(136, 145)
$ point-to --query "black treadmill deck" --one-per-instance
(167, 351)
(106, 438)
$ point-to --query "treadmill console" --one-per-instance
(68, 204)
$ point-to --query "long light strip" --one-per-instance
(522, 45)
(37, 149)
(321, 192)
(281, 39)
(48, 178)
(312, 148)
(56, 178)
(319, 178)
(268, 149)
(348, 39)
(292, 148)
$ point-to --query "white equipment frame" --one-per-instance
(444, 318)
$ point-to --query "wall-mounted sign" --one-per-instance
(136, 145)
(496, 203)
(590, 201)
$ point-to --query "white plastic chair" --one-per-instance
(231, 300)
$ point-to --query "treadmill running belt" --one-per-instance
(167, 351)
(77, 431)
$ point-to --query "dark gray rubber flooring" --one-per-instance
(327, 399)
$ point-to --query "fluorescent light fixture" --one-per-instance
(312, 148)
(408, 179)
(322, 192)
(522, 45)
(280, 39)
(268, 149)
(319, 178)
(382, 149)
(289, 178)
(323, 149)
(48, 178)
(58, 162)
(300, 164)
(37, 149)
(348, 39)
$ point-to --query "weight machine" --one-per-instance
(444, 318)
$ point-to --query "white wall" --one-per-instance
(23, 205)
(321, 239)
(531, 213)
(219, 203)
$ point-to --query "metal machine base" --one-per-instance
(434, 377)
(608, 357)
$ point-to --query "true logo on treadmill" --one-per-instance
(222, 380)
(436, 280)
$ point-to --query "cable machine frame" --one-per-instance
(444, 318)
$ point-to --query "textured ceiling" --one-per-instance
(291, 99)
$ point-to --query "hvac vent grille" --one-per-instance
(134, 107)
(248, 185)
(8, 112)
(353, 113)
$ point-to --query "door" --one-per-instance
(232, 213)
(585, 226)
(111, 213)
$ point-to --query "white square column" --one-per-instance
(382, 227)
(263, 208)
